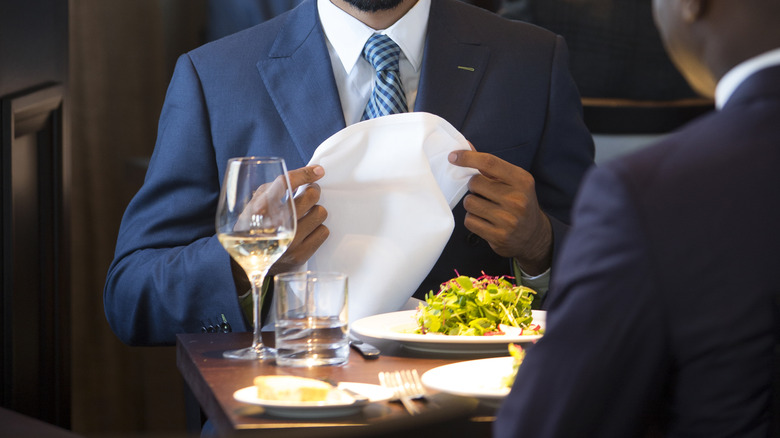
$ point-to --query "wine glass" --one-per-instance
(255, 223)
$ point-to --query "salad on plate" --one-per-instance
(484, 306)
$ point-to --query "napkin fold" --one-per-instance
(389, 190)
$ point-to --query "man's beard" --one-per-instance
(374, 5)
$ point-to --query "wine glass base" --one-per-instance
(251, 353)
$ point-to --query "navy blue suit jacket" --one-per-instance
(626, 354)
(270, 90)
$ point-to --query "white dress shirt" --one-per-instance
(731, 80)
(345, 37)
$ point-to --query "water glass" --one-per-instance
(311, 319)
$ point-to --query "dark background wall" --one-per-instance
(111, 61)
(34, 169)
(33, 43)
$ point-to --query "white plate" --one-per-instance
(400, 326)
(481, 378)
(345, 406)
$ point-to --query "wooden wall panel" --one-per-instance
(35, 257)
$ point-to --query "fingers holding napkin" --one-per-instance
(389, 191)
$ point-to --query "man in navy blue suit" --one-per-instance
(284, 86)
(664, 313)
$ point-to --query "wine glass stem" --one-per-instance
(257, 303)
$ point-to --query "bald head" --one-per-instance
(706, 38)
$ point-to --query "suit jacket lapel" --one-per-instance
(299, 78)
(452, 67)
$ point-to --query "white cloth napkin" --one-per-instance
(389, 190)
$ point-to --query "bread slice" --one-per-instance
(292, 388)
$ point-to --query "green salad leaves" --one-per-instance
(468, 306)
(518, 354)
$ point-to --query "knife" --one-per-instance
(368, 351)
(359, 398)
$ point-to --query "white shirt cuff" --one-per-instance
(539, 283)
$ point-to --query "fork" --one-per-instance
(411, 381)
(406, 385)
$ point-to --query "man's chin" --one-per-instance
(374, 5)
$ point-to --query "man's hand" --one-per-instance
(502, 209)
(311, 233)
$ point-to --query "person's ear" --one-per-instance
(692, 10)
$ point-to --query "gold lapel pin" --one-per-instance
(460, 67)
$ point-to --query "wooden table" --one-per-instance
(213, 380)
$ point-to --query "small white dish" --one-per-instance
(344, 406)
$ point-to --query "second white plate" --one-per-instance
(481, 378)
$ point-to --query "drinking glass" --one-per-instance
(311, 319)
(255, 223)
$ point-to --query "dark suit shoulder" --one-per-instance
(719, 148)
(665, 162)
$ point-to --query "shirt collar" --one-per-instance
(347, 35)
(731, 80)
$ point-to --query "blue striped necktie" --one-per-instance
(388, 96)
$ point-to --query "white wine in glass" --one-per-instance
(255, 223)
